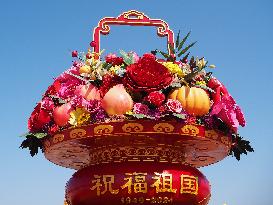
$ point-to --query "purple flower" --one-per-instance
(100, 115)
(156, 114)
(140, 108)
(209, 122)
(92, 105)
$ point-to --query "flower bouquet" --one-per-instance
(114, 89)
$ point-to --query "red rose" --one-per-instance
(147, 75)
(38, 119)
(174, 106)
(113, 59)
(156, 98)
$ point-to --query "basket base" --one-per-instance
(138, 141)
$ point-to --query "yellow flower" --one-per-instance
(85, 69)
(200, 82)
(174, 68)
(200, 63)
(114, 69)
(78, 117)
(129, 112)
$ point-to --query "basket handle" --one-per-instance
(132, 18)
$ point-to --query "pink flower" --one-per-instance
(66, 92)
(73, 69)
(140, 108)
(229, 112)
(174, 106)
(135, 56)
(78, 101)
(47, 104)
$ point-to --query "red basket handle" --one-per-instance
(132, 18)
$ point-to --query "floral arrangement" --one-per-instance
(124, 87)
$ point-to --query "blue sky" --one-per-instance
(36, 38)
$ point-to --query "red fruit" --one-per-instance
(88, 92)
(93, 44)
(88, 55)
(117, 101)
(61, 114)
(74, 54)
(185, 60)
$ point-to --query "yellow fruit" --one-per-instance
(194, 100)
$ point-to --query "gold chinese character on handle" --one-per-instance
(163, 183)
(189, 184)
(106, 183)
(136, 182)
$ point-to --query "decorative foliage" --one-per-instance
(127, 87)
(240, 146)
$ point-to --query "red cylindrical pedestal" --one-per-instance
(138, 183)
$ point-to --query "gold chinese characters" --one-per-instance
(137, 182)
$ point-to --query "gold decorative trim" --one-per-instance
(136, 153)
(190, 130)
(163, 127)
(136, 14)
(132, 127)
(225, 140)
(103, 129)
(165, 141)
(77, 133)
(58, 138)
(212, 134)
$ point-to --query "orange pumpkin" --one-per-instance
(194, 100)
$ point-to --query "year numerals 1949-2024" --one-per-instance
(141, 200)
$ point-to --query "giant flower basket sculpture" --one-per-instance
(136, 128)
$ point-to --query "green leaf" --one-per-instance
(40, 135)
(139, 116)
(185, 57)
(205, 88)
(57, 99)
(183, 41)
(33, 144)
(177, 39)
(128, 59)
(176, 85)
(186, 49)
(240, 146)
(165, 55)
(180, 116)
(171, 48)
(191, 75)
